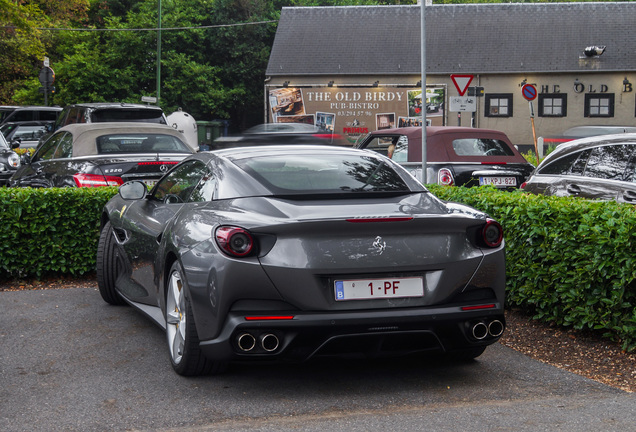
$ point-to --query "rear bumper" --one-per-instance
(370, 333)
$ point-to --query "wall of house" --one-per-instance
(574, 91)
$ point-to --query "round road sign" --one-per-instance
(529, 92)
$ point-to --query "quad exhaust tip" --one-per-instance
(246, 342)
(481, 330)
(269, 342)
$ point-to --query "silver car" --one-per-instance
(599, 167)
(290, 252)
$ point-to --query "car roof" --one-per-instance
(585, 131)
(265, 150)
(589, 142)
(88, 132)
(114, 105)
(282, 128)
(433, 130)
(32, 108)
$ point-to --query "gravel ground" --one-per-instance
(580, 352)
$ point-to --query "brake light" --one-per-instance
(157, 163)
(96, 180)
(379, 219)
(492, 233)
(234, 241)
(445, 177)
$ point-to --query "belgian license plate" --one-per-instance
(364, 289)
(498, 181)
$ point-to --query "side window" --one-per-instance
(401, 151)
(177, 186)
(48, 148)
(65, 148)
(499, 105)
(23, 115)
(599, 105)
(566, 165)
(609, 162)
(205, 189)
(48, 115)
(62, 118)
(553, 105)
(387, 144)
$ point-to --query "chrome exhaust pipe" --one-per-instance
(495, 328)
(246, 342)
(269, 342)
(480, 331)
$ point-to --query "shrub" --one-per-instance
(49, 230)
(569, 261)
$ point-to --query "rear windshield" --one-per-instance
(323, 173)
(127, 115)
(140, 143)
(481, 147)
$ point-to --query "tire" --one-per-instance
(183, 341)
(108, 266)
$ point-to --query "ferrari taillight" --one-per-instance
(492, 234)
(445, 177)
(234, 241)
(96, 180)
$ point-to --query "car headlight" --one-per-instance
(13, 160)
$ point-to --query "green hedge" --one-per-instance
(49, 230)
(569, 261)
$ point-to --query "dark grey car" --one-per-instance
(289, 252)
(599, 167)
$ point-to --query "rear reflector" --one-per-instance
(269, 318)
(480, 307)
(94, 180)
(380, 219)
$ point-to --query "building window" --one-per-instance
(499, 105)
(553, 105)
(599, 105)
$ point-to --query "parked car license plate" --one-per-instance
(498, 181)
(362, 289)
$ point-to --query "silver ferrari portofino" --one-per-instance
(290, 252)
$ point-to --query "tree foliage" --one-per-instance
(213, 52)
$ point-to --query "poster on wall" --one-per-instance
(352, 111)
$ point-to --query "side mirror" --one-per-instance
(15, 143)
(133, 190)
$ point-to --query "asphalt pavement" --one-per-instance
(70, 362)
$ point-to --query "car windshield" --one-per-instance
(481, 147)
(128, 115)
(140, 143)
(323, 173)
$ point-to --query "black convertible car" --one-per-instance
(102, 154)
(289, 252)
